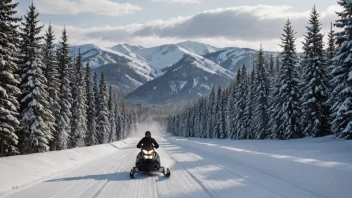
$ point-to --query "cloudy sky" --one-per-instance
(221, 23)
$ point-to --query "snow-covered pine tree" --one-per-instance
(201, 106)
(277, 68)
(79, 106)
(196, 118)
(117, 121)
(249, 110)
(275, 104)
(331, 43)
(36, 117)
(52, 75)
(315, 112)
(341, 95)
(96, 102)
(189, 128)
(210, 113)
(240, 106)
(288, 96)
(176, 125)
(204, 115)
(224, 96)
(271, 68)
(112, 136)
(91, 125)
(218, 127)
(103, 113)
(135, 120)
(330, 50)
(231, 113)
(261, 117)
(123, 120)
(193, 121)
(111, 114)
(64, 125)
(9, 81)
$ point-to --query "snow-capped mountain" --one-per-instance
(98, 56)
(234, 58)
(198, 48)
(126, 48)
(128, 67)
(160, 57)
(190, 78)
(122, 77)
(128, 72)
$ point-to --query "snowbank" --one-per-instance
(20, 171)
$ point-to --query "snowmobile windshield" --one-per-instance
(147, 147)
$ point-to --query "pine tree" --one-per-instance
(117, 121)
(218, 127)
(331, 43)
(103, 113)
(341, 75)
(204, 117)
(96, 105)
(79, 106)
(52, 76)
(91, 125)
(230, 109)
(271, 67)
(223, 133)
(261, 104)
(210, 113)
(188, 131)
(112, 121)
(288, 95)
(315, 112)
(111, 114)
(249, 110)
(64, 125)
(277, 68)
(123, 120)
(9, 81)
(36, 118)
(275, 104)
(241, 98)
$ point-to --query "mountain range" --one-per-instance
(168, 73)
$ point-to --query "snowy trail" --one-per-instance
(200, 168)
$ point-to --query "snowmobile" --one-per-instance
(149, 161)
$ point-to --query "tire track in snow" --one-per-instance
(86, 184)
(307, 192)
(195, 179)
(106, 182)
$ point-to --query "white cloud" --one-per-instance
(99, 7)
(177, 1)
(245, 26)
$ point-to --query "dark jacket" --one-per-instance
(147, 141)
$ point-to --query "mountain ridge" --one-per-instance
(130, 67)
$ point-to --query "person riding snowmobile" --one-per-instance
(145, 142)
(148, 161)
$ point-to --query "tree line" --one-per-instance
(283, 97)
(48, 101)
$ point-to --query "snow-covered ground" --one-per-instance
(319, 167)
(20, 171)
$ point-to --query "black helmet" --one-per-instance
(148, 133)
